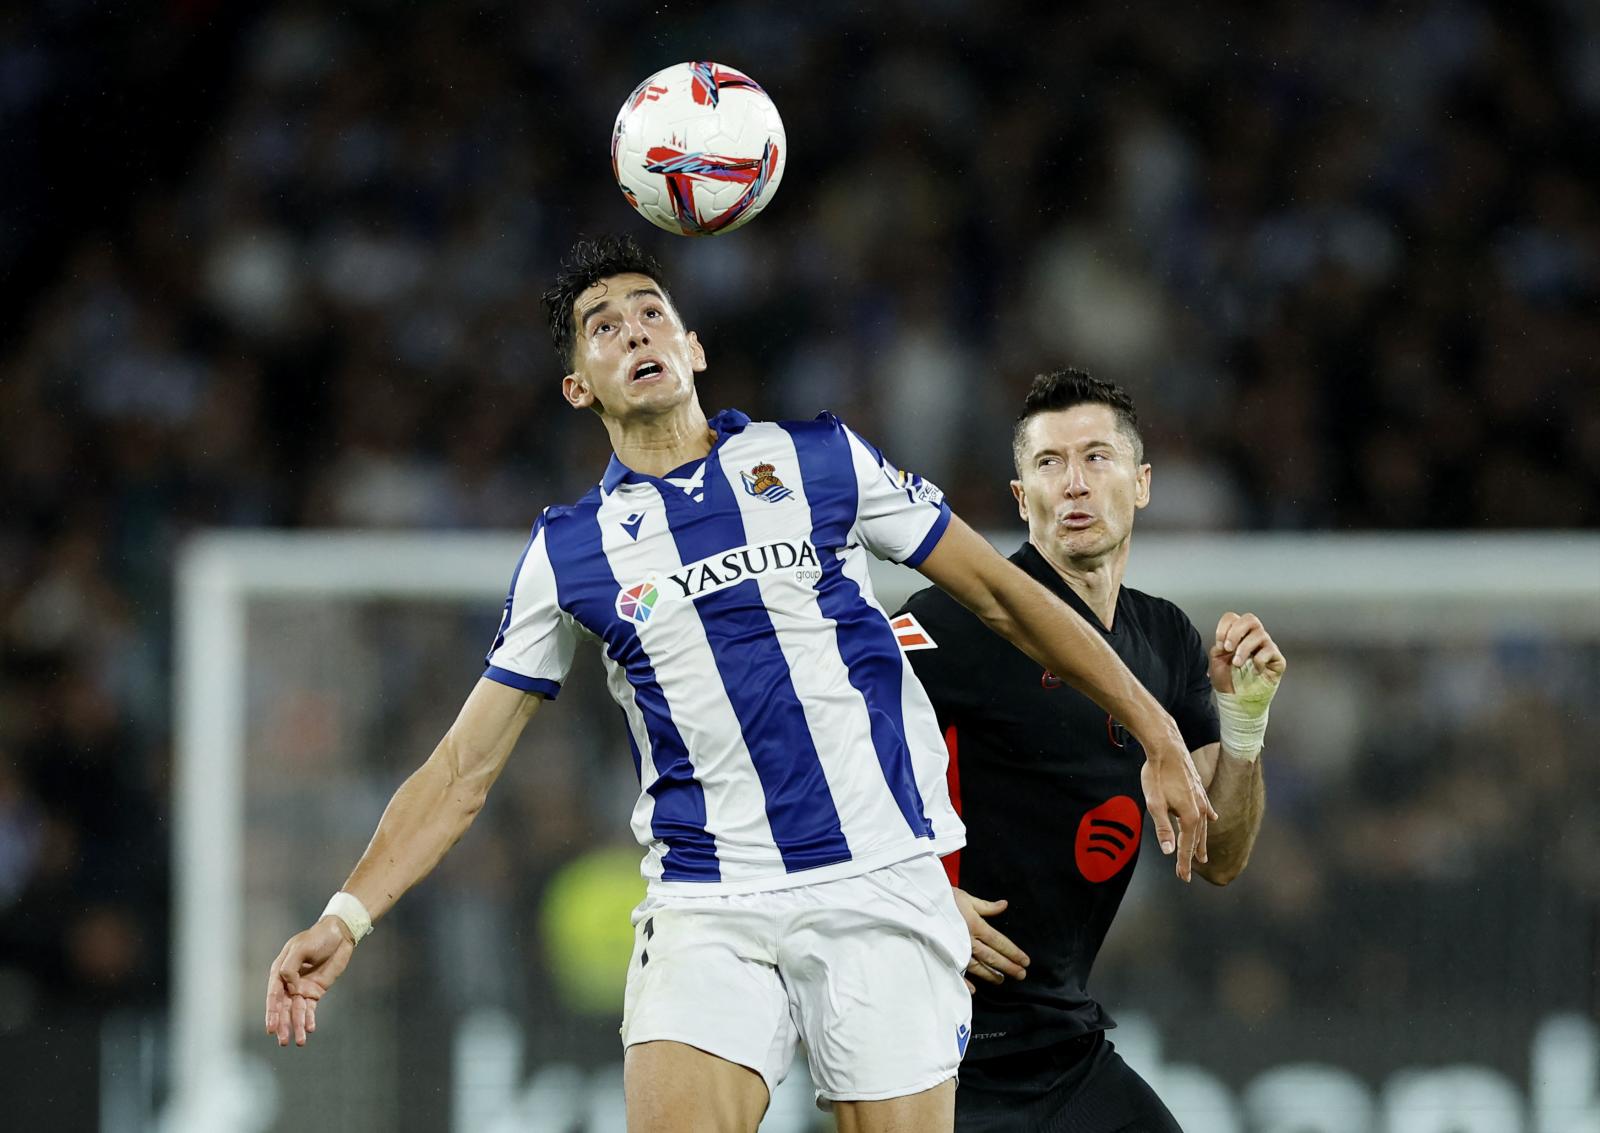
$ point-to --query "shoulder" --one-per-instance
(560, 521)
(824, 428)
(1163, 620)
(939, 614)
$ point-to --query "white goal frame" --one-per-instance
(1367, 587)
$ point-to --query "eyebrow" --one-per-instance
(604, 304)
(1057, 450)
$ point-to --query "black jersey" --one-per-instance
(1048, 786)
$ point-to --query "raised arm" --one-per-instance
(1045, 628)
(426, 816)
(1245, 666)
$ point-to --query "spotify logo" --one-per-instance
(1108, 837)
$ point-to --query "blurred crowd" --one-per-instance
(1347, 257)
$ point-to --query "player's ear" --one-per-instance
(1141, 486)
(1022, 500)
(577, 392)
(697, 353)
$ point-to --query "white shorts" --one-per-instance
(867, 971)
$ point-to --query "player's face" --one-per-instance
(1080, 483)
(633, 357)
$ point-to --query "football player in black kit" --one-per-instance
(1049, 785)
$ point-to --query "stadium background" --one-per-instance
(271, 265)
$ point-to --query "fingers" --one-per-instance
(987, 908)
(1000, 962)
(980, 971)
(1225, 638)
(1186, 847)
(1263, 653)
(1157, 809)
(1242, 637)
(994, 956)
(1248, 646)
(278, 999)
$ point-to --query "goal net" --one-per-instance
(1411, 951)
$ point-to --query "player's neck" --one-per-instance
(1097, 579)
(656, 445)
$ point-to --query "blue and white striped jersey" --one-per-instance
(779, 734)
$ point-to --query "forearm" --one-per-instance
(428, 814)
(1044, 628)
(434, 807)
(1238, 790)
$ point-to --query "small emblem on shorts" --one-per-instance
(963, 1033)
(763, 483)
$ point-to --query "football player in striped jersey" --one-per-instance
(792, 800)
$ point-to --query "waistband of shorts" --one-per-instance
(855, 867)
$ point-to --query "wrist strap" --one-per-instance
(349, 909)
(1243, 725)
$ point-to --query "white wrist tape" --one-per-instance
(349, 909)
(1242, 713)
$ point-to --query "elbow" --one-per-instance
(469, 803)
(1220, 873)
(462, 792)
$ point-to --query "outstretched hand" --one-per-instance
(994, 957)
(302, 974)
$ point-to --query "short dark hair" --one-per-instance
(1063, 389)
(587, 264)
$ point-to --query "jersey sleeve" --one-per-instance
(899, 515)
(534, 645)
(1194, 709)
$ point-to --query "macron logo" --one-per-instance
(963, 1033)
(632, 523)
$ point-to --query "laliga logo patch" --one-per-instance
(917, 489)
(637, 603)
(1108, 838)
(763, 483)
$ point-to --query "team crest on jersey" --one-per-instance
(637, 603)
(910, 634)
(763, 483)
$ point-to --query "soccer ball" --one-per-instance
(698, 149)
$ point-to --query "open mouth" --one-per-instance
(646, 369)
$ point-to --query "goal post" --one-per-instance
(1371, 588)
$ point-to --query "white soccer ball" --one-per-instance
(698, 149)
